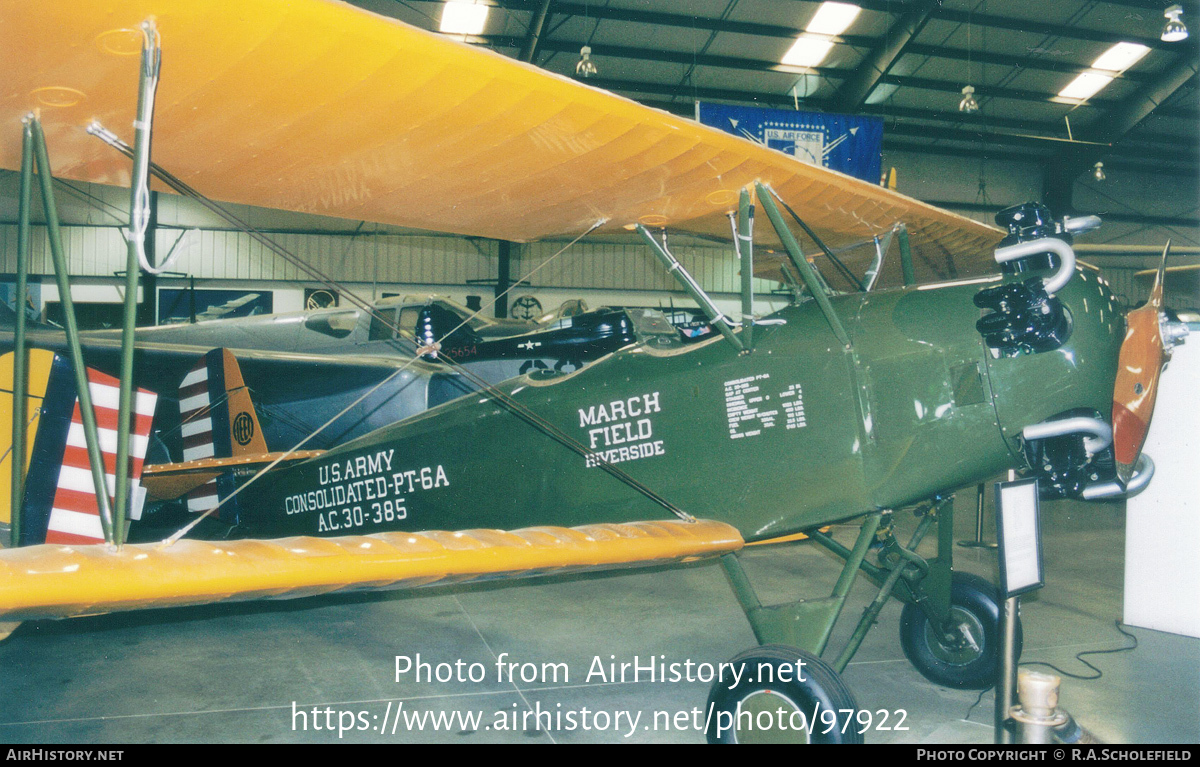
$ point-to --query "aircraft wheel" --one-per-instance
(771, 703)
(970, 660)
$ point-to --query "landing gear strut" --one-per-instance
(949, 630)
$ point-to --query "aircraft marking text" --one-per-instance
(793, 406)
(356, 467)
(362, 491)
(621, 430)
(745, 406)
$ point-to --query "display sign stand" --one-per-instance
(1018, 535)
(979, 542)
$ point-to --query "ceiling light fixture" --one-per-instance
(1175, 30)
(1116, 59)
(1120, 57)
(833, 18)
(807, 52)
(1098, 171)
(968, 103)
(585, 67)
(811, 48)
(463, 18)
(1085, 86)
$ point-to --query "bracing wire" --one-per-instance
(516, 408)
(491, 390)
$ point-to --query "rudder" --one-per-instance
(218, 419)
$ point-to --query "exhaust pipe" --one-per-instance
(1066, 256)
(1143, 472)
(1101, 432)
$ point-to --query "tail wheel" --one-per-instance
(782, 695)
(966, 652)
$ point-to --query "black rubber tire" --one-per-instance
(976, 601)
(821, 690)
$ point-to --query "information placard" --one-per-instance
(1018, 531)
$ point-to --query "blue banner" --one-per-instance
(846, 143)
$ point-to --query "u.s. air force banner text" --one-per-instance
(846, 143)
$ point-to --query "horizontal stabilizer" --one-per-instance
(165, 481)
(64, 581)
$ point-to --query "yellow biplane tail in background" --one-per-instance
(216, 412)
(40, 362)
(217, 420)
(222, 438)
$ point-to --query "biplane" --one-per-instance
(843, 406)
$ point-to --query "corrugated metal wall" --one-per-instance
(630, 266)
(225, 255)
(394, 259)
(387, 258)
(378, 256)
(364, 258)
(96, 251)
(90, 251)
(1119, 272)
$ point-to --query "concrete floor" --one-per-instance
(240, 673)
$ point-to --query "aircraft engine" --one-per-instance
(1071, 461)
(1070, 453)
(1026, 317)
(1061, 338)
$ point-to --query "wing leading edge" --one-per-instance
(39, 582)
(319, 107)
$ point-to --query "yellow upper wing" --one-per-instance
(316, 106)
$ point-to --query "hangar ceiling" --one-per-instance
(904, 61)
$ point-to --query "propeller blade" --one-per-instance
(1139, 367)
(1156, 293)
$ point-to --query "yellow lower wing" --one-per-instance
(64, 581)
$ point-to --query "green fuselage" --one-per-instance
(797, 433)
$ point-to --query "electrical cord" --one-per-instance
(984, 691)
(1078, 656)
